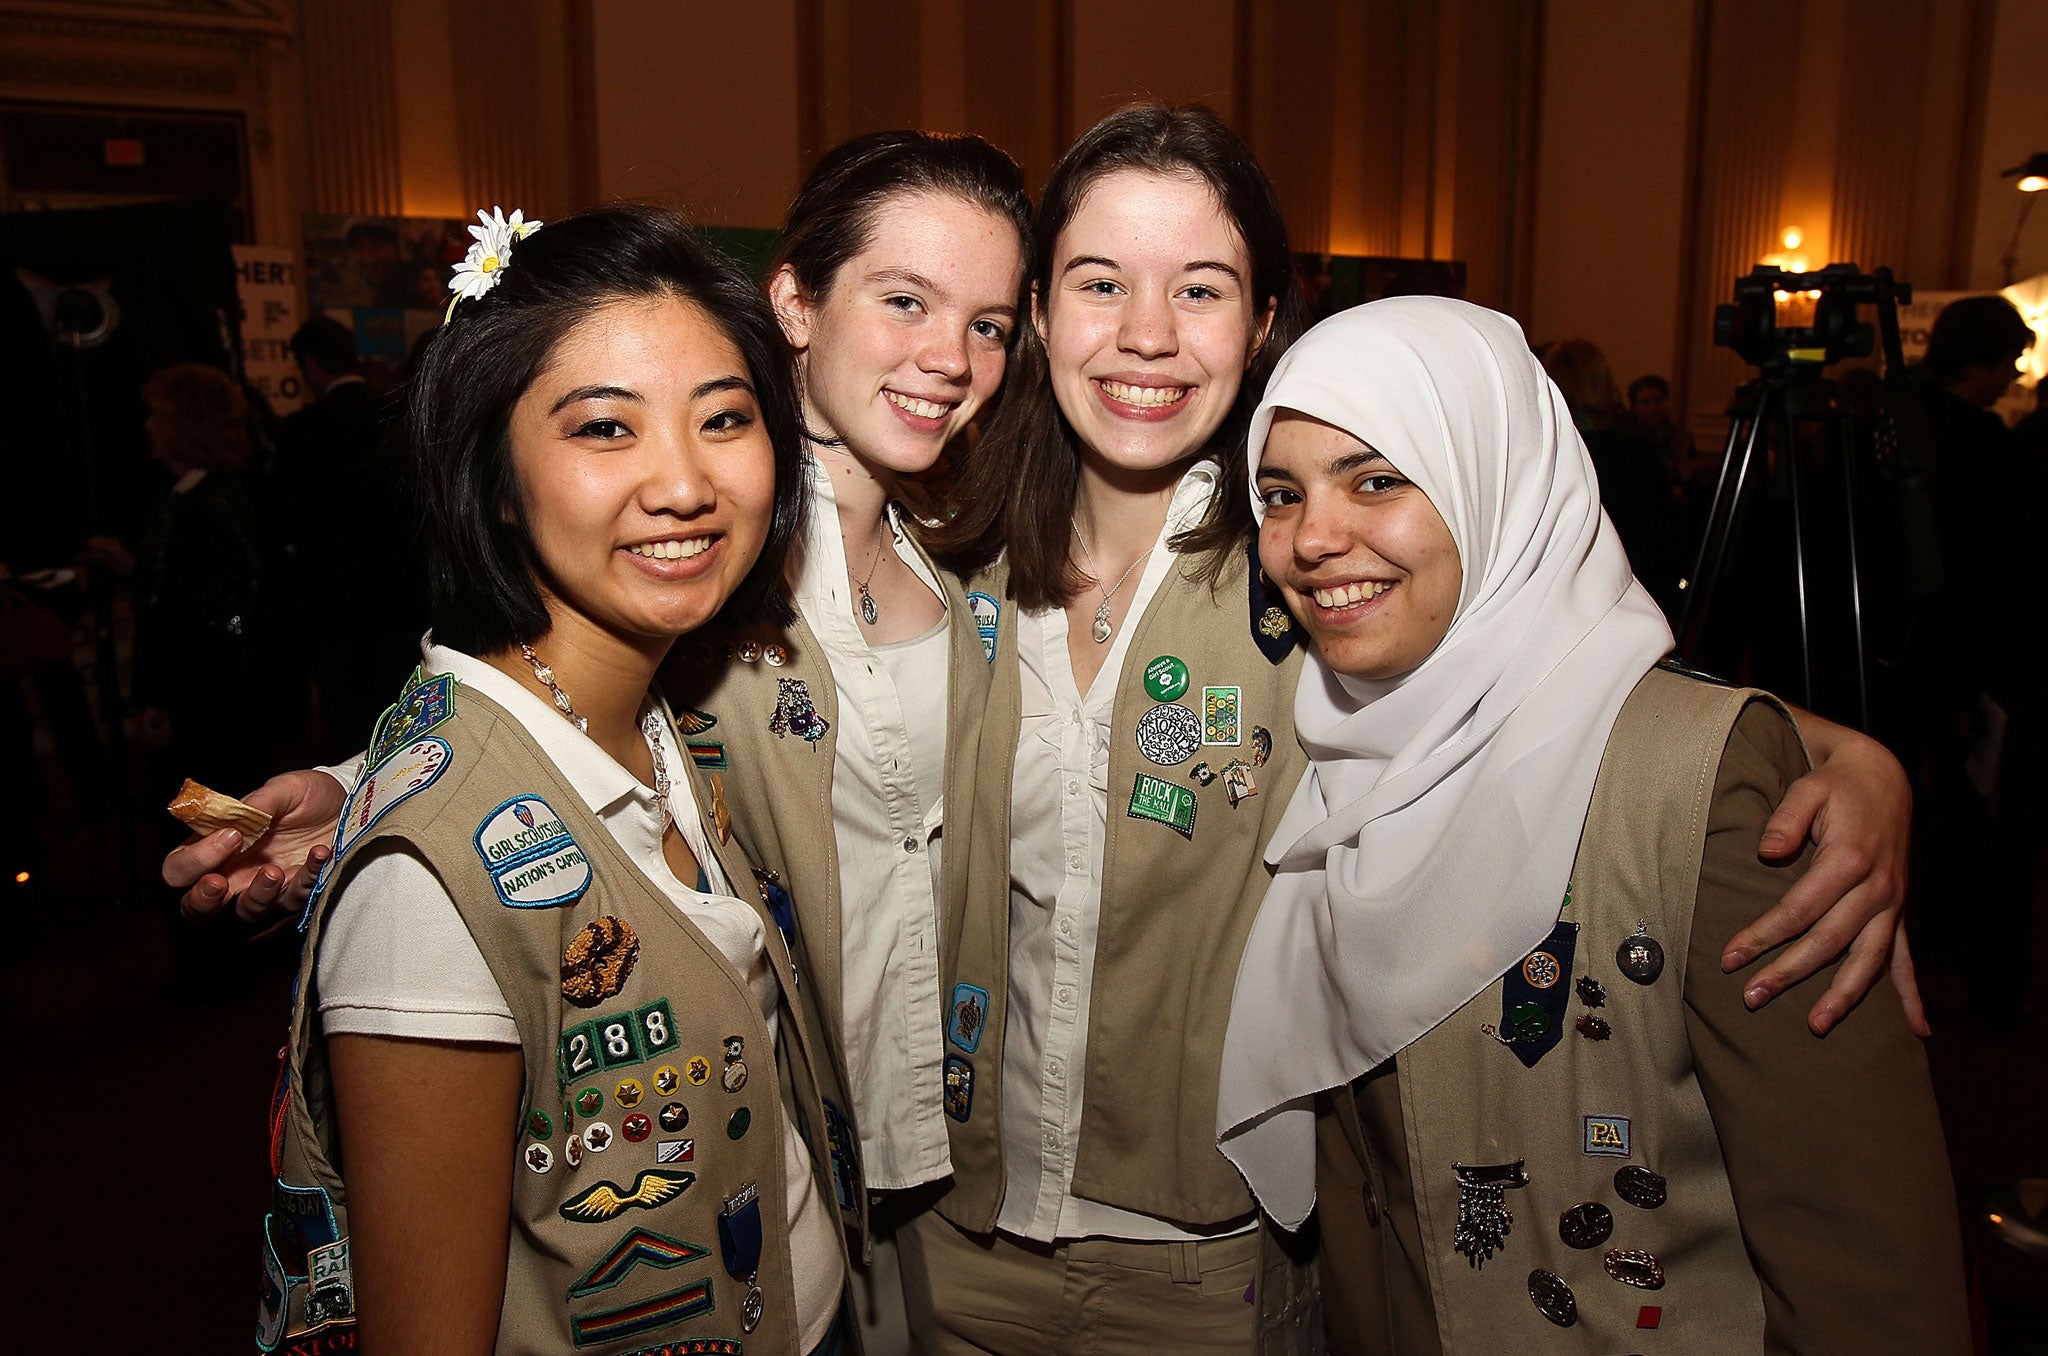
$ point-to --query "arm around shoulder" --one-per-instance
(1834, 1148)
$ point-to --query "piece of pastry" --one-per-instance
(205, 812)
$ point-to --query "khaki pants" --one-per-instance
(1002, 1295)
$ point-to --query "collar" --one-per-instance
(595, 776)
(345, 379)
(1192, 496)
(820, 570)
(189, 481)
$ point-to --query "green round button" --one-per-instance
(737, 1126)
(1528, 1021)
(538, 1125)
(1165, 678)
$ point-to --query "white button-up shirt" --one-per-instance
(1059, 813)
(888, 780)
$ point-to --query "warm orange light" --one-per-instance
(1793, 239)
(21, 878)
(2033, 183)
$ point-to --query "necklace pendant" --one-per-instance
(1102, 629)
(869, 613)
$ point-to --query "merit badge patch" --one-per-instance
(969, 1014)
(1169, 735)
(532, 860)
(402, 774)
(1607, 1136)
(331, 1297)
(300, 1220)
(640, 1247)
(1219, 715)
(607, 1200)
(675, 1151)
(794, 713)
(1173, 806)
(598, 960)
(421, 708)
(959, 1093)
(986, 611)
(273, 1300)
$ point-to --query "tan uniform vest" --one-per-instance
(1177, 904)
(1593, 1109)
(652, 1113)
(779, 785)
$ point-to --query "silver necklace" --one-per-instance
(650, 727)
(1103, 629)
(869, 613)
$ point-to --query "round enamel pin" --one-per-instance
(667, 1080)
(1165, 678)
(628, 1093)
(1640, 1187)
(572, 1150)
(589, 1102)
(735, 1076)
(1541, 970)
(1639, 956)
(1633, 1266)
(1553, 1298)
(738, 1123)
(597, 1137)
(698, 1070)
(538, 1125)
(636, 1127)
(539, 1158)
(674, 1116)
(1585, 1225)
(1169, 735)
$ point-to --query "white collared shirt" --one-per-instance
(396, 958)
(1059, 814)
(888, 780)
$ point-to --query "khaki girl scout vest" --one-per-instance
(747, 695)
(1613, 1138)
(648, 1200)
(1202, 712)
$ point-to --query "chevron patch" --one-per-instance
(631, 1320)
(637, 1247)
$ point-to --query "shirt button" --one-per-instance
(1073, 787)
(1054, 1069)
(910, 845)
(1066, 995)
(1066, 927)
(1075, 864)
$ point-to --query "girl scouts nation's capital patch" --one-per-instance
(532, 860)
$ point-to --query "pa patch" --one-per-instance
(532, 860)
(1607, 1136)
(969, 1014)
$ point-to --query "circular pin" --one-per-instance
(750, 650)
(1527, 1022)
(1165, 678)
(539, 1158)
(737, 1125)
(735, 1076)
(1593, 1028)
(597, 1137)
(667, 1080)
(735, 1047)
(572, 1150)
(628, 1093)
(1640, 1187)
(1585, 1225)
(636, 1127)
(698, 1070)
(750, 1309)
(589, 1102)
(674, 1116)
(538, 1125)
(1262, 745)
(1633, 1266)
(1169, 735)
(1553, 1298)
(1541, 970)
(1640, 958)
(774, 656)
(1591, 992)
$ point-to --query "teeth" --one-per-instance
(923, 409)
(672, 550)
(1143, 395)
(1351, 595)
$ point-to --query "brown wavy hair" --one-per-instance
(1016, 493)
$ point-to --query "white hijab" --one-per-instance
(1429, 847)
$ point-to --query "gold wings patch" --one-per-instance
(605, 1201)
(690, 721)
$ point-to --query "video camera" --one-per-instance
(1750, 324)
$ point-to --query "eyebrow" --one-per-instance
(1350, 461)
(1193, 266)
(717, 385)
(908, 278)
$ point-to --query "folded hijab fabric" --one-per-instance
(1429, 848)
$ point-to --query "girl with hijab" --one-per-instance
(1491, 948)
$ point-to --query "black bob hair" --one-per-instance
(483, 578)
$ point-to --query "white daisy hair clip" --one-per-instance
(489, 256)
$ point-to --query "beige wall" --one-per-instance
(2015, 126)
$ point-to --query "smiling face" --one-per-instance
(910, 338)
(646, 475)
(1364, 559)
(1148, 318)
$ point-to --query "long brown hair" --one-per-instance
(1016, 492)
